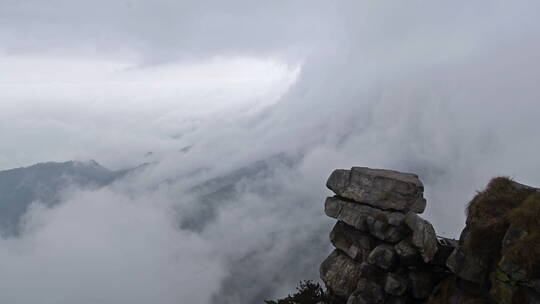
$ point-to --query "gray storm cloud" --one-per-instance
(448, 91)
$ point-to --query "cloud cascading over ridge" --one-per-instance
(444, 90)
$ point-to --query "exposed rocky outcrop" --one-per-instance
(499, 249)
(387, 253)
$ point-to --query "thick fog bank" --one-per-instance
(231, 208)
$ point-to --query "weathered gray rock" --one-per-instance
(467, 266)
(407, 253)
(395, 284)
(421, 284)
(423, 236)
(340, 273)
(384, 189)
(367, 292)
(383, 256)
(354, 243)
(384, 225)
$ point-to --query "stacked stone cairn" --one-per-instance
(384, 251)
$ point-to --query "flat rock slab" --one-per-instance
(385, 225)
(383, 189)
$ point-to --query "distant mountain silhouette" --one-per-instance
(44, 182)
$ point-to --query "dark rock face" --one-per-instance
(467, 266)
(421, 284)
(370, 270)
(395, 285)
(383, 189)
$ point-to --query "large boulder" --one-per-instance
(356, 244)
(466, 264)
(385, 225)
(423, 236)
(340, 273)
(383, 189)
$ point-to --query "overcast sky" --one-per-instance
(448, 90)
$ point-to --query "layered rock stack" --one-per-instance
(385, 252)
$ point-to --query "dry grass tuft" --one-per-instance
(489, 215)
(491, 205)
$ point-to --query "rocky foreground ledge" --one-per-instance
(386, 253)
